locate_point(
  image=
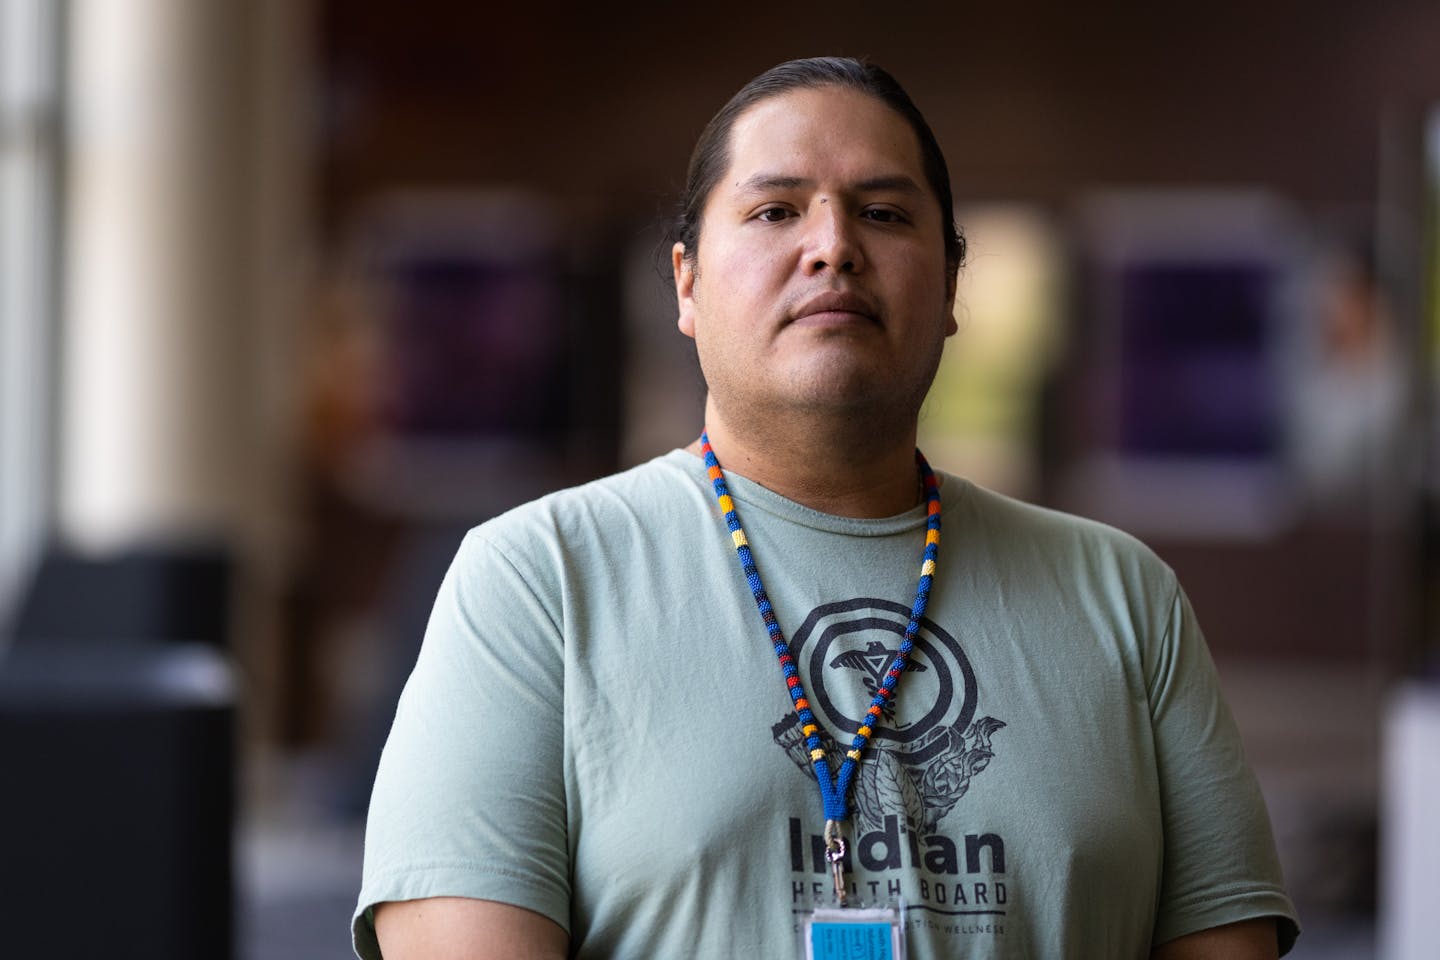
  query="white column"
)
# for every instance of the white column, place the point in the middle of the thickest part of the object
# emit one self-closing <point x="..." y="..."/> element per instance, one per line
<point x="153" y="350"/>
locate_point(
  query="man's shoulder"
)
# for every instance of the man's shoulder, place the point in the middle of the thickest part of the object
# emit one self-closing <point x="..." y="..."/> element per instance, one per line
<point x="1021" y="524"/>
<point x="641" y="494"/>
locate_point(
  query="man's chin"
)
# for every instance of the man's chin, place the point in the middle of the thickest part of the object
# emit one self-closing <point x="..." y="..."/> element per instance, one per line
<point x="842" y="389"/>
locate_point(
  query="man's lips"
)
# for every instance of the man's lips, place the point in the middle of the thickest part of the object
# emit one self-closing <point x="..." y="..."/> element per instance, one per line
<point x="834" y="307"/>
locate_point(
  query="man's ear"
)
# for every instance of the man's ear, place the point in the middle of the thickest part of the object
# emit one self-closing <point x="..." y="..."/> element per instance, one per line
<point x="684" y="289"/>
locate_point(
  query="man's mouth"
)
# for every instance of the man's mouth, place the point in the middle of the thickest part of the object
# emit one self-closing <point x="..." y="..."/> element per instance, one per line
<point x="833" y="308"/>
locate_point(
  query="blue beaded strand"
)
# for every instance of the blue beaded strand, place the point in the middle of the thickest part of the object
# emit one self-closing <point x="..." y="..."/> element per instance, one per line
<point x="834" y="789"/>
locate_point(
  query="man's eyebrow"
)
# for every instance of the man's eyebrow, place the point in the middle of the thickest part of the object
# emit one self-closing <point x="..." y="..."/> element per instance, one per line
<point x="897" y="182"/>
<point x="772" y="181"/>
<point x="762" y="182"/>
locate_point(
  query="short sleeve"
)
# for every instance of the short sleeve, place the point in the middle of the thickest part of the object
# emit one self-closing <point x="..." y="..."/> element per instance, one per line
<point x="469" y="797"/>
<point x="1220" y="864"/>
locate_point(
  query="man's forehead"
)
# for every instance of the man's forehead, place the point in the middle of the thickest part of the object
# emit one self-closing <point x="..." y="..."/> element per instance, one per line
<point x="779" y="141"/>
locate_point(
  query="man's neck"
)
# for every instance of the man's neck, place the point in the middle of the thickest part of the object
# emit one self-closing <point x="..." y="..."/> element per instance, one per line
<point x="845" y="469"/>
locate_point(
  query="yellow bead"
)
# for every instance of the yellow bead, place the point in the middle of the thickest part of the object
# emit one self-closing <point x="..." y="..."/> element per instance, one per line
<point x="864" y="731"/>
<point x="739" y="537"/>
<point x="927" y="569"/>
<point x="817" y="754"/>
<point x="808" y="729"/>
<point x="932" y="536"/>
<point x="726" y="504"/>
<point x="854" y="755"/>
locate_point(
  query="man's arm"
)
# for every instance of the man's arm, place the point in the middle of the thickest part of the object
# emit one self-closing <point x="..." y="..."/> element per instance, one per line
<point x="1219" y="862"/>
<point x="457" y="928"/>
<point x="469" y="796"/>
<point x="1246" y="940"/>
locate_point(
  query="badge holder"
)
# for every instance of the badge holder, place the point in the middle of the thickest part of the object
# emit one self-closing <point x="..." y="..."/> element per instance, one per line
<point x="848" y="929"/>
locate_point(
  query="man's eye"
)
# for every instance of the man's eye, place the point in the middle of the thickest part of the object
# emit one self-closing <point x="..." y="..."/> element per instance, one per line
<point x="772" y="214"/>
<point x="884" y="215"/>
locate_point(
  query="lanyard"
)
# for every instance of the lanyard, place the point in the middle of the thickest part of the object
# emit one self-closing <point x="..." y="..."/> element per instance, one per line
<point x="834" y="788"/>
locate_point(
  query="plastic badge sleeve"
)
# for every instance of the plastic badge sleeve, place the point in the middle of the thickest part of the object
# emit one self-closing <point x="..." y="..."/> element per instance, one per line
<point x="853" y="933"/>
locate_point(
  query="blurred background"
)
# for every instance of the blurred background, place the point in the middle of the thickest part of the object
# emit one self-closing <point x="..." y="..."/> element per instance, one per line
<point x="293" y="292"/>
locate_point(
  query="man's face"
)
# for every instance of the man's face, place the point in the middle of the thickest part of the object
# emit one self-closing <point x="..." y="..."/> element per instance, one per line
<point x="820" y="281"/>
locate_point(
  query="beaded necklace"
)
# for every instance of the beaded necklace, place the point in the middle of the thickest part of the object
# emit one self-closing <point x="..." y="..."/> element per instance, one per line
<point x="834" y="789"/>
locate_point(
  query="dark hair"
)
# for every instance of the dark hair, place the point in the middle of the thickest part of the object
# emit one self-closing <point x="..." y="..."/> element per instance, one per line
<point x="712" y="151"/>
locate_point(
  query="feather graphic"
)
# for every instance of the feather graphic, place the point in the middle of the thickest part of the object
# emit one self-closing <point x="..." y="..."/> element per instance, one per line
<point x="887" y="785"/>
<point x="787" y="734"/>
<point x="890" y="783"/>
<point x="947" y="778"/>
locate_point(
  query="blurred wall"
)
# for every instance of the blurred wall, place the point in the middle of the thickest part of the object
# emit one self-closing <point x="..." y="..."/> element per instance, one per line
<point x="1030" y="100"/>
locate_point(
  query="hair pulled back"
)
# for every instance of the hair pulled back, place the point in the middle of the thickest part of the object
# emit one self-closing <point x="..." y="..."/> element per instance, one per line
<point x="711" y="157"/>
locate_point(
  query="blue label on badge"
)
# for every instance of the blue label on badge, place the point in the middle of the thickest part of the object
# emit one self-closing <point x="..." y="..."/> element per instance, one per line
<point x="851" y="941"/>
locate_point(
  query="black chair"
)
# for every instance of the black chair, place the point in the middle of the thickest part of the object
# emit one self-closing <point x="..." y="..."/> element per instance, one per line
<point x="117" y="709"/>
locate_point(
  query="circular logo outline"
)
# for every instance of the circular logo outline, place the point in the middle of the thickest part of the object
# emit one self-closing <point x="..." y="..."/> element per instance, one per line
<point x="924" y="640"/>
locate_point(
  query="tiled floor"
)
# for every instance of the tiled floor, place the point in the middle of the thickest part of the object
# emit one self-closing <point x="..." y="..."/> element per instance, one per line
<point x="1312" y="735"/>
<point x="298" y="887"/>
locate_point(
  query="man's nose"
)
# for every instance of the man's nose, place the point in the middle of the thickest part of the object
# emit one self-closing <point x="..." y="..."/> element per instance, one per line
<point x="831" y="241"/>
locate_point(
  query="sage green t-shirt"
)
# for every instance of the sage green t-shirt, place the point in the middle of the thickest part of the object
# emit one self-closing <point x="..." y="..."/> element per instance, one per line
<point x="597" y="729"/>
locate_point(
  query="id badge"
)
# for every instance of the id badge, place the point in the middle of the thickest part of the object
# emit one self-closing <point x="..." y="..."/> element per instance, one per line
<point x="852" y="933"/>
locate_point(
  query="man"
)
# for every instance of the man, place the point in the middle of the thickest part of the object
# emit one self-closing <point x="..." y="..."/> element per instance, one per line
<point x="597" y="756"/>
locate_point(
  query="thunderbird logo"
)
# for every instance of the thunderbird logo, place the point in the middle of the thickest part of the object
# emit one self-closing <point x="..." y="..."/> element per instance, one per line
<point x="875" y="662"/>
